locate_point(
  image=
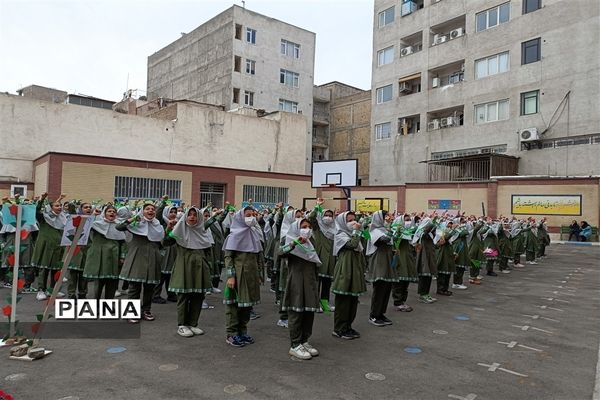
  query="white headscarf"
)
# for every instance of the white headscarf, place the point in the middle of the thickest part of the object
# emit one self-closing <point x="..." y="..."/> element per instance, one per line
<point x="306" y="250"/>
<point x="342" y="234"/>
<point x="377" y="230"/>
<point x="167" y="211"/>
<point x="425" y="226"/>
<point x="288" y="219"/>
<point x="152" y="229"/>
<point x="241" y="236"/>
<point x="107" y="228"/>
<point x="54" y="220"/>
<point x="328" y="229"/>
<point x="193" y="237"/>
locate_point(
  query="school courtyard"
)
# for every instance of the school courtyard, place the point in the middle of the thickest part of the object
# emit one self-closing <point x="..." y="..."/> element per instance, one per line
<point x="531" y="334"/>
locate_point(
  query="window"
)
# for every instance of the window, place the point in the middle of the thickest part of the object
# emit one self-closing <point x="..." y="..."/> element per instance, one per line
<point x="287" y="105"/>
<point x="289" y="78"/>
<point x="20" y="190"/>
<point x="290" y="49"/>
<point x="248" y="98"/>
<point x="492" y="65"/>
<point x="490" y="112"/>
<point x="238" y="31"/>
<point x="384" y="94"/>
<point x="492" y="17"/>
<point x="250" y="67"/>
<point x="385" y="56"/>
<point x="531" y="5"/>
<point x="146" y="188"/>
<point x="237" y="64"/>
<point x="265" y="194"/>
<point x="236" y="95"/>
<point x="383" y="131"/>
<point x="250" y="35"/>
<point x="386" y="17"/>
<point x="531" y="51"/>
<point x="212" y="193"/>
<point x="530" y="102"/>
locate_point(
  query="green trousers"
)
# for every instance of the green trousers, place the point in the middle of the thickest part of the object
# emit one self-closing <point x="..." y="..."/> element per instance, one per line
<point x="134" y="291"/>
<point x="300" y="326"/>
<point x="458" y="276"/>
<point x="380" y="298"/>
<point x="108" y="285"/>
<point x="345" y="312"/>
<point x="529" y="255"/>
<point x="443" y="282"/>
<point x="400" y="292"/>
<point x="43" y="279"/>
<point x="237" y="319"/>
<point x="189" y="306"/>
<point x="77" y="284"/>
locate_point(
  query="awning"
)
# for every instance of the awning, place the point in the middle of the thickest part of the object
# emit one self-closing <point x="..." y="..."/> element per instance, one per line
<point x="410" y="77"/>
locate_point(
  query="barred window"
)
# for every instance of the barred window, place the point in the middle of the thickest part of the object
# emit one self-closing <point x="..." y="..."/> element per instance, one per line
<point x="212" y="193"/>
<point x="266" y="194"/>
<point x="146" y="188"/>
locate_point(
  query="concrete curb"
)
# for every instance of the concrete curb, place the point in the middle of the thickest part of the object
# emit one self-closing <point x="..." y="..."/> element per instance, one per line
<point x="576" y="243"/>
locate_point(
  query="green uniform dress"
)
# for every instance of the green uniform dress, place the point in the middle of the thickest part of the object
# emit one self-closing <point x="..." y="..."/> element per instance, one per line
<point x="543" y="239"/>
<point x="349" y="276"/>
<point x="461" y="251"/>
<point x="505" y="251"/>
<point x="530" y="243"/>
<point x="445" y="263"/>
<point x="426" y="258"/>
<point x="47" y="253"/>
<point x="102" y="264"/>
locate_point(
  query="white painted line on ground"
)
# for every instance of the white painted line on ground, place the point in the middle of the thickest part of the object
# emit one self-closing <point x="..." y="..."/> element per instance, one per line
<point x="550" y="308"/>
<point x="596" y="395"/>
<point x="526" y="328"/>
<point x="538" y="317"/>
<point x="554" y="299"/>
<point x="470" y="396"/>
<point x="512" y="344"/>
<point x="495" y="366"/>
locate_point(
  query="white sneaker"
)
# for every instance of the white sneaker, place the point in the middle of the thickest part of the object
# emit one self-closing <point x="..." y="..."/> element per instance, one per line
<point x="60" y="295"/>
<point x="460" y="287"/>
<point x="196" y="331"/>
<point x="205" y="305"/>
<point x="65" y="279"/>
<point x="311" y="350"/>
<point x="505" y="271"/>
<point x="479" y="277"/>
<point x="216" y="290"/>
<point x="184" y="331"/>
<point x="332" y="308"/>
<point x="531" y="262"/>
<point x="300" y="352"/>
<point x="282" y="323"/>
<point x="118" y="293"/>
<point x="519" y="265"/>
<point x="41" y="296"/>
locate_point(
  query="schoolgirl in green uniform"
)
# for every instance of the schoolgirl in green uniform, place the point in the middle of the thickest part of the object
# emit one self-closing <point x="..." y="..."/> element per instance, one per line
<point x="404" y="260"/>
<point x="322" y="239"/>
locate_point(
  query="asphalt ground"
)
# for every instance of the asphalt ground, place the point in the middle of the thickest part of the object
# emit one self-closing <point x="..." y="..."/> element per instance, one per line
<point x="531" y="334"/>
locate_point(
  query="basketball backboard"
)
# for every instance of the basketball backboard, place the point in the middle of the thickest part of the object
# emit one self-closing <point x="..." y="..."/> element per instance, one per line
<point x="342" y="173"/>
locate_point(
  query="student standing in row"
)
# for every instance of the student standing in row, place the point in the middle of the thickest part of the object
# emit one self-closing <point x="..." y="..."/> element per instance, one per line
<point x="301" y="298"/>
<point x="322" y="238"/>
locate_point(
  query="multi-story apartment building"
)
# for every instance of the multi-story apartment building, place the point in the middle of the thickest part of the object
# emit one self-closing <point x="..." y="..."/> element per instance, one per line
<point x="465" y="90"/>
<point x="239" y="58"/>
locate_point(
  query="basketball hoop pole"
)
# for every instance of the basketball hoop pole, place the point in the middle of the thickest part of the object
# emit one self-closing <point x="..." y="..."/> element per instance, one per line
<point x="348" y="193"/>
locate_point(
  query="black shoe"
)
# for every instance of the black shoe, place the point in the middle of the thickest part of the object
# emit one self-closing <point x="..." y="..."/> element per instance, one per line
<point x="386" y="320"/>
<point x="376" y="321"/>
<point x="354" y="334"/>
<point x="159" y="300"/>
<point x="491" y="273"/>
<point x="342" y="335"/>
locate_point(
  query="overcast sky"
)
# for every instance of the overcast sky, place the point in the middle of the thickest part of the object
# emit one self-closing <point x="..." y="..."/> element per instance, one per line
<point x="99" y="47"/>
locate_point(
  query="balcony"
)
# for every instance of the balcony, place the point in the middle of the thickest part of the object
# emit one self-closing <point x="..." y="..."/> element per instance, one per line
<point x="409" y="7"/>
<point x="409" y="125"/>
<point x="411" y="44"/>
<point x="409" y="85"/>
<point x="471" y="168"/>
<point x="447" y="31"/>
<point x="446" y="118"/>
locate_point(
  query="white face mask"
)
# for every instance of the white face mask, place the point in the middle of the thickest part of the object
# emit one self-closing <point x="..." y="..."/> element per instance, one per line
<point x="250" y="221"/>
<point x="350" y="225"/>
<point x="407" y="224"/>
<point x="306" y="233"/>
<point x="179" y="215"/>
<point x="328" y="220"/>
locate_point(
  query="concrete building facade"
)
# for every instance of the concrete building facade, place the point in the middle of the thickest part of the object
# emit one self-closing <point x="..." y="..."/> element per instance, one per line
<point x="239" y="58"/>
<point x="455" y="81"/>
<point x="184" y="132"/>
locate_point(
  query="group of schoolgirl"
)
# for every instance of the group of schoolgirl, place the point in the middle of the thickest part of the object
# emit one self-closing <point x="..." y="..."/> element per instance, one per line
<point x="308" y="254"/>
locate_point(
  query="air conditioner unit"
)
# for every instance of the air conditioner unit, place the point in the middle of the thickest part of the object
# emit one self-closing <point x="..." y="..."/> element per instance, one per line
<point x="449" y="121"/>
<point x="529" y="135"/>
<point x="437" y="39"/>
<point x="435" y="82"/>
<point x="406" y="51"/>
<point x="443" y="123"/>
<point x="433" y="125"/>
<point x="457" y="33"/>
<point x="405" y="87"/>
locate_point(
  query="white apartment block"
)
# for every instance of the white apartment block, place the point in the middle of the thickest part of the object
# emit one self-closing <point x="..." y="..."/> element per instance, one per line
<point x="465" y="90"/>
<point x="239" y="59"/>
